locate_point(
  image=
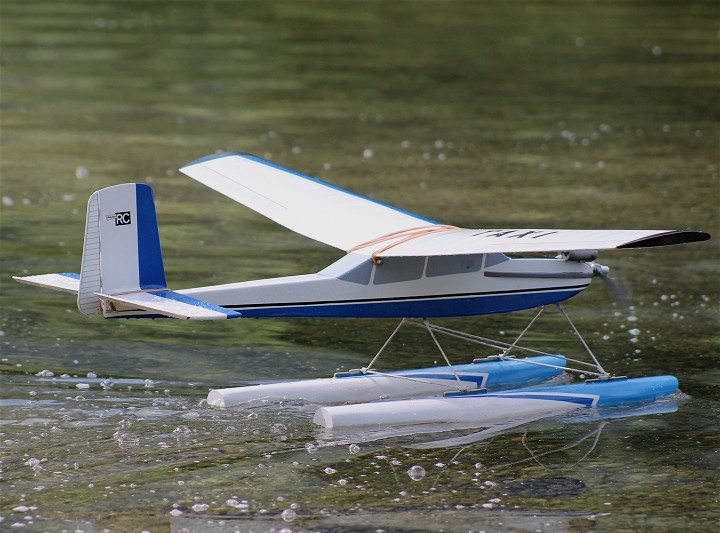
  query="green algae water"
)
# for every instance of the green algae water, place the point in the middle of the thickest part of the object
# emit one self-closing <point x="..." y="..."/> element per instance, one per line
<point x="479" y="114"/>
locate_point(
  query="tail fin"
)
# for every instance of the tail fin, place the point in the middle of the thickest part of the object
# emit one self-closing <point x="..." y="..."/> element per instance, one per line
<point x="122" y="251"/>
<point x="122" y="272"/>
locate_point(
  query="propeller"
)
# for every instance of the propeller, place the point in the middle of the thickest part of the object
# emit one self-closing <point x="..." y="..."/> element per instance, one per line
<point x="620" y="291"/>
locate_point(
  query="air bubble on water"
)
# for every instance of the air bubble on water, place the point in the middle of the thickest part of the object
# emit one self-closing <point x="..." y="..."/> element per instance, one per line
<point x="176" y="512"/>
<point x="342" y="481"/>
<point x="106" y="384"/>
<point x="368" y="153"/>
<point x="634" y="331"/>
<point x="330" y="470"/>
<point x="81" y="172"/>
<point x="200" y="507"/>
<point x="91" y="375"/>
<point x="416" y="472"/>
<point x="149" y="383"/>
<point x="311" y="448"/>
<point x="234" y="503"/>
<point x="45" y="374"/>
<point x="353" y="448"/>
<point x="288" y="515"/>
<point x="83" y="386"/>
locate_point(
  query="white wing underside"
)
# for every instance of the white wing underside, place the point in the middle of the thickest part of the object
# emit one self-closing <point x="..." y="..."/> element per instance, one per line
<point x="351" y="222"/>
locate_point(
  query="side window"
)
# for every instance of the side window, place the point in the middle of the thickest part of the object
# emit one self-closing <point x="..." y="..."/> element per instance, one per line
<point x="397" y="269"/>
<point x="444" y="265"/>
<point x="359" y="274"/>
<point x="495" y="259"/>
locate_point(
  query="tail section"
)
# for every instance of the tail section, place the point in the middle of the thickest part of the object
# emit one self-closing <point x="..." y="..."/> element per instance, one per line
<point x="122" y="272"/>
<point x="122" y="251"/>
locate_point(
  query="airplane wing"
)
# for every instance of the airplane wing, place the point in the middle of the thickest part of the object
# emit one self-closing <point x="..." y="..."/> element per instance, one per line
<point x="352" y="222"/>
<point x="301" y="203"/>
<point x="468" y="241"/>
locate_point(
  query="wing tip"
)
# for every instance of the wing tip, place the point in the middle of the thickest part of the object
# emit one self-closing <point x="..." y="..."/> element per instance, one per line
<point x="668" y="238"/>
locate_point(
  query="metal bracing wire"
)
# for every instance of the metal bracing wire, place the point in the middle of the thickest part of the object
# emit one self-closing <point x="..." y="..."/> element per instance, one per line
<point x="594" y="369"/>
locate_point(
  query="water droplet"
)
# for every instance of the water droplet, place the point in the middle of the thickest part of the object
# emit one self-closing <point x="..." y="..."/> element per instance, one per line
<point x="416" y="472"/>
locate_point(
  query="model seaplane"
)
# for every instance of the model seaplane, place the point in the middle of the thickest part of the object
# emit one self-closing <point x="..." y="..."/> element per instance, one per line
<point x="397" y="265"/>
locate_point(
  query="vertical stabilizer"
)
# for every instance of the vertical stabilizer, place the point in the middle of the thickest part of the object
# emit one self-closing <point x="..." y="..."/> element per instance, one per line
<point x="122" y="251"/>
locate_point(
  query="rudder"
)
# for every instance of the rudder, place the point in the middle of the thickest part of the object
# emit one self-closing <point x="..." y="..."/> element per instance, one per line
<point x="121" y="252"/>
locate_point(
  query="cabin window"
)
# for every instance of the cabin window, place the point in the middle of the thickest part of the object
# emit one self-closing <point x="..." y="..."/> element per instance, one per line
<point x="495" y="259"/>
<point x="359" y="274"/>
<point x="397" y="269"/>
<point x="445" y="265"/>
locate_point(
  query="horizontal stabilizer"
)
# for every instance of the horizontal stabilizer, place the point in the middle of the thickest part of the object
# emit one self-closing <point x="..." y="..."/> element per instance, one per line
<point x="63" y="282"/>
<point x="169" y="303"/>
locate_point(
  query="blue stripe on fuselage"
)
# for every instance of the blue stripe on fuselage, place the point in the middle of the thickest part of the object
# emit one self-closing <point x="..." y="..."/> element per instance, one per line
<point x="411" y="308"/>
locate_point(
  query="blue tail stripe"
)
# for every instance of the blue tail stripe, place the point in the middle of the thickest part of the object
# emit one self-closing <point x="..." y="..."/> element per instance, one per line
<point x="151" y="271"/>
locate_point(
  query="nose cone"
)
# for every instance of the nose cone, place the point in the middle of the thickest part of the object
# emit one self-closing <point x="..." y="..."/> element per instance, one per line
<point x="600" y="270"/>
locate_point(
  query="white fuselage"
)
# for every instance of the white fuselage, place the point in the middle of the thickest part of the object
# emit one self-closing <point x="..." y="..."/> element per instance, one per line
<point x="434" y="286"/>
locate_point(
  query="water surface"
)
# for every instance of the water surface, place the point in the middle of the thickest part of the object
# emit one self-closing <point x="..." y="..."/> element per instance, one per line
<point x="493" y="114"/>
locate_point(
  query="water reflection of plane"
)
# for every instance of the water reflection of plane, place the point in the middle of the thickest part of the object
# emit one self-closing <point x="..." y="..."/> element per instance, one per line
<point x="425" y="436"/>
